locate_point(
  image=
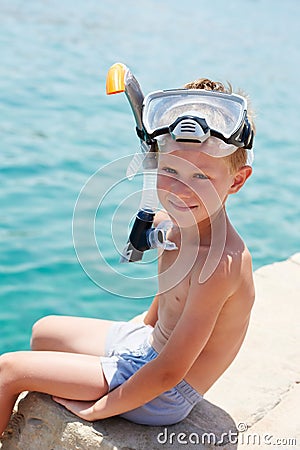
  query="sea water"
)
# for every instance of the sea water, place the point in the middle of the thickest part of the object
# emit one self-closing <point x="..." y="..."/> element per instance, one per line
<point x="60" y="136"/>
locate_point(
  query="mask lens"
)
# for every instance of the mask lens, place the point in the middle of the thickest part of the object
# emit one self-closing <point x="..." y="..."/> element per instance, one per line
<point x="222" y="112"/>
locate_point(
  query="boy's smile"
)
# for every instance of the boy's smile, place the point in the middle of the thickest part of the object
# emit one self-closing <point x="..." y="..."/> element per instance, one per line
<point x="192" y="186"/>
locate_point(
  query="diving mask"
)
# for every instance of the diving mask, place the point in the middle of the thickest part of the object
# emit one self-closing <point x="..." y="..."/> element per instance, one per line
<point x="198" y="115"/>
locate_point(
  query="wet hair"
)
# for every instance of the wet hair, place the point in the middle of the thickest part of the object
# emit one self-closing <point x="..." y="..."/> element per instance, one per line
<point x="237" y="159"/>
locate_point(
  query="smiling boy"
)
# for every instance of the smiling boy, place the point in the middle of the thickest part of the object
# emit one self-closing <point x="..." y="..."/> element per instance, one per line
<point x="154" y="372"/>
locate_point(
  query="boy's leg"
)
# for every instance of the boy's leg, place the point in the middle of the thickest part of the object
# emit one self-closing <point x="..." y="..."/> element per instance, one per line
<point x="67" y="375"/>
<point x="70" y="334"/>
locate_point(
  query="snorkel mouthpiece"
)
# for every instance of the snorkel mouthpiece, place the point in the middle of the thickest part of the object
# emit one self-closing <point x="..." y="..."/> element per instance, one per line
<point x="144" y="237"/>
<point x="138" y="241"/>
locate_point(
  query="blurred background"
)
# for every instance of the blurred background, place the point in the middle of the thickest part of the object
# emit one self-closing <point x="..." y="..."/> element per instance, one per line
<point x="58" y="129"/>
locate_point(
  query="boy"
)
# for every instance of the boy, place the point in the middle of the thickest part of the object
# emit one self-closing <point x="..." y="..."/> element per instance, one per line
<point x="155" y="371"/>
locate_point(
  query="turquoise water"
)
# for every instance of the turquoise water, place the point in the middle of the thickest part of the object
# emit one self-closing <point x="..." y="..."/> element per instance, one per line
<point x="58" y="128"/>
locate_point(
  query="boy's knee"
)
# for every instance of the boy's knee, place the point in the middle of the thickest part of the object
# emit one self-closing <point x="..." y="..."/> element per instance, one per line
<point x="12" y="372"/>
<point x="40" y="332"/>
<point x="7" y="366"/>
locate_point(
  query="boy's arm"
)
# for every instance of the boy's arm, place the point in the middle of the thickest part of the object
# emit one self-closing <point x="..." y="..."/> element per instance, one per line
<point x="152" y="313"/>
<point x="186" y="342"/>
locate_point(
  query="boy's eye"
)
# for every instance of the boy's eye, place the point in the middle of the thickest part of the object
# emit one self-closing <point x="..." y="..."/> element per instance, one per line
<point x="169" y="170"/>
<point x="201" y="176"/>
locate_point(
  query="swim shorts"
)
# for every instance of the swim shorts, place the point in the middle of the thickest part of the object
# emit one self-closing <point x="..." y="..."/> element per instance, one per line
<point x="127" y="350"/>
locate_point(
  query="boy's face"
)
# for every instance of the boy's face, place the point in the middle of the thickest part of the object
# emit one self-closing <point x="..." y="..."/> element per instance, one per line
<point x="192" y="185"/>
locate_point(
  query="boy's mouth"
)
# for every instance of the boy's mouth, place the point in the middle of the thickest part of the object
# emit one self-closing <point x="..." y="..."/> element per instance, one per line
<point x="182" y="206"/>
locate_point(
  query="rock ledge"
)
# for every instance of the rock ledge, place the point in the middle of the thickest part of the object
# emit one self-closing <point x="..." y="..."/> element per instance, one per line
<point x="41" y="424"/>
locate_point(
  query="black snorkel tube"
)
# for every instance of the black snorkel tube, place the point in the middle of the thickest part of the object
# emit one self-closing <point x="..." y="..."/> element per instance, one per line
<point x="143" y="236"/>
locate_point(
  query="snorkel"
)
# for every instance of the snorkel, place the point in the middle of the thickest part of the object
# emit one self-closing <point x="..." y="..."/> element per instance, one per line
<point x="143" y="236"/>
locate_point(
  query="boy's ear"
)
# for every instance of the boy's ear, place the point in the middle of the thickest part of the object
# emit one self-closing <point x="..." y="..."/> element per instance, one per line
<point x="240" y="178"/>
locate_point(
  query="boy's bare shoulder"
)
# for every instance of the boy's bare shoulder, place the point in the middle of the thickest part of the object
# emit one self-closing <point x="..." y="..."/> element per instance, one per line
<point x="232" y="272"/>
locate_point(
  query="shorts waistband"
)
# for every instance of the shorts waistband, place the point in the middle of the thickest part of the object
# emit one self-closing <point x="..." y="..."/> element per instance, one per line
<point x="188" y="392"/>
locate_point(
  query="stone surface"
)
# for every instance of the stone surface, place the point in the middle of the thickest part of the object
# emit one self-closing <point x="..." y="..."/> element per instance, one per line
<point x="259" y="392"/>
<point x="41" y="424"/>
<point x="265" y="374"/>
<point x="280" y="428"/>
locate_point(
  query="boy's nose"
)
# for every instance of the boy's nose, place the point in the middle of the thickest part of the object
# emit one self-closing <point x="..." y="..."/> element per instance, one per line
<point x="181" y="190"/>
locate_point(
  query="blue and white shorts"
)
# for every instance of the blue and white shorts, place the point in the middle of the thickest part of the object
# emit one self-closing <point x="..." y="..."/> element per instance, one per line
<point x="127" y="350"/>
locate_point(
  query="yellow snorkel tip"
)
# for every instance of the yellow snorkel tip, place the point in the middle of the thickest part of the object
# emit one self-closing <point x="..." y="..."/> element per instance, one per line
<point x="115" y="80"/>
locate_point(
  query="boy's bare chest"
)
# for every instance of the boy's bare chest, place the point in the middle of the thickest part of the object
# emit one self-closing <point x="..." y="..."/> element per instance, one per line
<point x="174" y="276"/>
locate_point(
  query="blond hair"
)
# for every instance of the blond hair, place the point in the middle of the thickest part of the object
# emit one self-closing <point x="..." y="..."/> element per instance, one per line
<point x="237" y="159"/>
